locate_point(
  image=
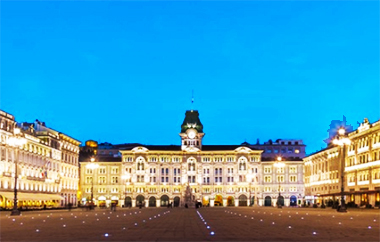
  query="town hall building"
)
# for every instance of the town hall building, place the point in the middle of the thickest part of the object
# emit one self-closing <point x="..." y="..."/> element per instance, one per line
<point x="218" y="175"/>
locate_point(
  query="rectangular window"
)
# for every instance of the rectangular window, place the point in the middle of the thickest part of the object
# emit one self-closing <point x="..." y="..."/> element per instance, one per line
<point x="115" y="179"/>
<point x="102" y="179"/>
<point x="102" y="170"/>
<point x="88" y="179"/>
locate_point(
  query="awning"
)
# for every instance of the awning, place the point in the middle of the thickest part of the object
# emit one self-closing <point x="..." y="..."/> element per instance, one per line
<point x="21" y="196"/>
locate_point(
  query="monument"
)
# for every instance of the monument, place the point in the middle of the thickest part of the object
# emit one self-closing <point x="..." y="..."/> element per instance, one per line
<point x="188" y="198"/>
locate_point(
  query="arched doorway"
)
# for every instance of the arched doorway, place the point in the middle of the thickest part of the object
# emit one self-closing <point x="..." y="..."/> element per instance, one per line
<point x="230" y="201"/>
<point x="281" y="200"/>
<point x="176" y="201"/>
<point x="243" y="201"/>
<point x="218" y="200"/>
<point x="114" y="201"/>
<point x="268" y="201"/>
<point x="140" y="199"/>
<point x="101" y="201"/>
<point x="128" y="202"/>
<point x="252" y="201"/>
<point x="293" y="201"/>
<point x="152" y="202"/>
<point x="205" y="201"/>
<point x="164" y="201"/>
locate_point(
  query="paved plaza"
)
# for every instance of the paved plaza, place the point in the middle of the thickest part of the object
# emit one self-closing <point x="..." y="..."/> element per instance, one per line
<point x="204" y="224"/>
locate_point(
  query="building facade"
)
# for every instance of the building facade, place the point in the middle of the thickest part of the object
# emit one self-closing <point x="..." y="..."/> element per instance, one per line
<point x="218" y="175"/>
<point x="361" y="165"/>
<point x="44" y="176"/>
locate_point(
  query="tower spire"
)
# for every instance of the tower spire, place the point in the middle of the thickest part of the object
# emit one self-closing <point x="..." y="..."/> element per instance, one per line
<point x="192" y="100"/>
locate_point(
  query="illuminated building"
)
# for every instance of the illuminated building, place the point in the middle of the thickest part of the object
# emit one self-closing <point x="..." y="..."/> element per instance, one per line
<point x="47" y="166"/>
<point x="218" y="175"/>
<point x="361" y="170"/>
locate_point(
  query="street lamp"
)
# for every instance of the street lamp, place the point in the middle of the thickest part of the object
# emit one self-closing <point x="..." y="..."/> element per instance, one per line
<point x="16" y="142"/>
<point x="342" y="140"/>
<point x="92" y="166"/>
<point x="278" y="165"/>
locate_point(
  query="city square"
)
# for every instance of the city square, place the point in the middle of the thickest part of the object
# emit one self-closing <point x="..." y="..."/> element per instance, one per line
<point x="204" y="224"/>
<point x="190" y="121"/>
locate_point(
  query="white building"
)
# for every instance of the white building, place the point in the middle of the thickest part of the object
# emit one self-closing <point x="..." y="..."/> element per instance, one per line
<point x="218" y="175"/>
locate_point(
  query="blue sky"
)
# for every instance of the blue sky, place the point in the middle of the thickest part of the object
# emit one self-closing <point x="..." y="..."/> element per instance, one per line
<point x="124" y="71"/>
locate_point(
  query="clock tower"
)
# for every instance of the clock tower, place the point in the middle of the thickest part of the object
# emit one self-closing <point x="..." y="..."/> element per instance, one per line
<point x="191" y="131"/>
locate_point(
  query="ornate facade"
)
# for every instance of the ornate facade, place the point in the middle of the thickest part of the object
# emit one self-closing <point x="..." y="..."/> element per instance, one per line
<point x="47" y="165"/>
<point x="218" y="175"/>
<point x="361" y="170"/>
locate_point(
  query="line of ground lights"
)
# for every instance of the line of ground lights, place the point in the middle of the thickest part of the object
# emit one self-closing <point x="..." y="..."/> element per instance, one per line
<point x="205" y="223"/>
<point x="64" y="225"/>
<point x="280" y="214"/>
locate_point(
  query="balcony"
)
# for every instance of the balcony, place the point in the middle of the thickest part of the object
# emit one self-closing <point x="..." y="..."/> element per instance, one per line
<point x="376" y="145"/>
<point x="7" y="174"/>
<point x="35" y="178"/>
<point x="363" y="183"/>
<point x="363" y="149"/>
<point x="351" y="153"/>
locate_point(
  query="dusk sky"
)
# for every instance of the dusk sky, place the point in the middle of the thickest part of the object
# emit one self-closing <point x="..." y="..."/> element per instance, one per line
<point x="124" y="71"/>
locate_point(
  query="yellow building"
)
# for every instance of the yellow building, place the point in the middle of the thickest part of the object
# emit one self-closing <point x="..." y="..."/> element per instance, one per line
<point x="218" y="175"/>
<point x="361" y="165"/>
<point x="44" y="177"/>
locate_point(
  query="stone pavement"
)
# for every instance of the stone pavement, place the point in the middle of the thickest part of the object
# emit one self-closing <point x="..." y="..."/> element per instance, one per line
<point x="179" y="224"/>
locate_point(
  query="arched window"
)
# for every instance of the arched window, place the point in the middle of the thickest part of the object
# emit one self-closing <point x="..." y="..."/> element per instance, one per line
<point x="191" y="164"/>
<point x="242" y="163"/>
<point x="140" y="164"/>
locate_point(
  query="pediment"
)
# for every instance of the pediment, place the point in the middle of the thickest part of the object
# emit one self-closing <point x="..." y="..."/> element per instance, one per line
<point x="140" y="149"/>
<point x="243" y="150"/>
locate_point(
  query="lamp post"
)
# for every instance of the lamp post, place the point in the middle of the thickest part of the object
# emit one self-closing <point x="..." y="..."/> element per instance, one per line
<point x="278" y="165"/>
<point x="342" y="140"/>
<point x="16" y="142"/>
<point x="92" y="166"/>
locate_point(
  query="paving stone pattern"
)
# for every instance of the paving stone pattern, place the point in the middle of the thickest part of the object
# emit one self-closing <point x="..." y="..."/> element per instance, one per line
<point x="180" y="224"/>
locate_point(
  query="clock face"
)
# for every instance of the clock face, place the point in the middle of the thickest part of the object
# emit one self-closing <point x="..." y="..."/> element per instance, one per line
<point x="191" y="134"/>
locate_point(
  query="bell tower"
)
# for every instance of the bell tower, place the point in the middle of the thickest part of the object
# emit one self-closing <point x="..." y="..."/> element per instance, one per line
<point x="191" y="131"/>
